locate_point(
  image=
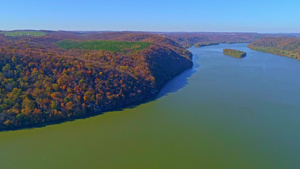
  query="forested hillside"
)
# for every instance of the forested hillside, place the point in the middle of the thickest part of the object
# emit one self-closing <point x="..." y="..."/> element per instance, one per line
<point x="188" y="39"/>
<point x="289" y="47"/>
<point x="65" y="75"/>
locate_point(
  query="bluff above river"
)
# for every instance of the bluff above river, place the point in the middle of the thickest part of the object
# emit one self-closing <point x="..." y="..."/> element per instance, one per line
<point x="58" y="76"/>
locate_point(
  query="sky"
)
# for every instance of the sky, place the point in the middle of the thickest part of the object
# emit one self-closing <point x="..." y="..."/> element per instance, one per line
<point x="263" y="16"/>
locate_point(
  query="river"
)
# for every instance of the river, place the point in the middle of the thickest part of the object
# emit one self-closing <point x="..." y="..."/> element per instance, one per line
<point x="223" y="113"/>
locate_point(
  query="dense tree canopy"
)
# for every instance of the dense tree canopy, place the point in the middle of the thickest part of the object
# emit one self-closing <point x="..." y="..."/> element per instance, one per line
<point x="280" y="46"/>
<point x="205" y="44"/>
<point x="41" y="82"/>
<point x="234" y="53"/>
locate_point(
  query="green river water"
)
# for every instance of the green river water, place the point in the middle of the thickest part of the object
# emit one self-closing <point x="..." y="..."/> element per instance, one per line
<point x="223" y="113"/>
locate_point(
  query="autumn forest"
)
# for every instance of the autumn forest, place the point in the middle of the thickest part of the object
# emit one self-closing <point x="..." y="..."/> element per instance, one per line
<point x="61" y="75"/>
<point x="53" y="76"/>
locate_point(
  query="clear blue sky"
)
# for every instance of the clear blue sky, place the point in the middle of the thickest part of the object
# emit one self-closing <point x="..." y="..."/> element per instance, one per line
<point x="152" y="15"/>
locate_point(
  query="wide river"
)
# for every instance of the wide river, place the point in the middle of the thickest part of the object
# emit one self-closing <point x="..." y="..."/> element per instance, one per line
<point x="223" y="113"/>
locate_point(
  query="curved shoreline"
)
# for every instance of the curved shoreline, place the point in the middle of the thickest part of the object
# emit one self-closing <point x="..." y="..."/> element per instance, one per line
<point x="150" y="97"/>
<point x="288" y="47"/>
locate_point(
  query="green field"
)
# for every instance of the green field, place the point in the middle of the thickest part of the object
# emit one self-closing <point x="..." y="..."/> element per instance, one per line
<point x="23" y="33"/>
<point x="114" y="46"/>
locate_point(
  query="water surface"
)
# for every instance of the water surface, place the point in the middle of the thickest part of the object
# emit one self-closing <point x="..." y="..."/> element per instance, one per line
<point x="223" y="113"/>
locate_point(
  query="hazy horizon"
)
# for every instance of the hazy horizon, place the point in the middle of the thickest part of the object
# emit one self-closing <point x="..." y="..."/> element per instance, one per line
<point x="150" y="31"/>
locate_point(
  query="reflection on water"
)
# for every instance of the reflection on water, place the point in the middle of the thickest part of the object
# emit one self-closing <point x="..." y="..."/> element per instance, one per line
<point x="179" y="81"/>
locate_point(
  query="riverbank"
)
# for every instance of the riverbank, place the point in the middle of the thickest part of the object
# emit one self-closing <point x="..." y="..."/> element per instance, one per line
<point x="289" y="47"/>
<point x="53" y="84"/>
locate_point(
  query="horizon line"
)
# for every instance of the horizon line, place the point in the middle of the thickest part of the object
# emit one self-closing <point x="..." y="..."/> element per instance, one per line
<point x="11" y="30"/>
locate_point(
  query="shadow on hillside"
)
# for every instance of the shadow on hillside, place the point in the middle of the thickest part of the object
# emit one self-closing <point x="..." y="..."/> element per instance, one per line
<point x="171" y="86"/>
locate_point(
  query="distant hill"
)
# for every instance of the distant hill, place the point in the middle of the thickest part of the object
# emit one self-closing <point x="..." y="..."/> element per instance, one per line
<point x="188" y="39"/>
<point x="23" y="33"/>
<point x="289" y="47"/>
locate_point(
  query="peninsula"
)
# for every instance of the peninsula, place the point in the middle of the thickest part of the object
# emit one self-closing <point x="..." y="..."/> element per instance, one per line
<point x="48" y="77"/>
